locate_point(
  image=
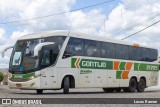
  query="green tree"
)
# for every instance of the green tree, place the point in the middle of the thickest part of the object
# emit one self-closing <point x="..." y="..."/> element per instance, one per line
<point x="1" y="76"/>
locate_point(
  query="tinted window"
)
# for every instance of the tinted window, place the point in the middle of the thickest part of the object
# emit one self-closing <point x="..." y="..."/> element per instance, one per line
<point x="135" y="53"/>
<point x="108" y="50"/>
<point x="145" y="54"/>
<point x="46" y="60"/>
<point x="58" y="40"/>
<point x="121" y="51"/>
<point x="75" y="47"/>
<point x="92" y="48"/>
<point x="153" y="54"/>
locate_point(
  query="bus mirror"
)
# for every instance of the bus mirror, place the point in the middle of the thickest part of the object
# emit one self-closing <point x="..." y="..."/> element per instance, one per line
<point x="4" y="50"/>
<point x="39" y="47"/>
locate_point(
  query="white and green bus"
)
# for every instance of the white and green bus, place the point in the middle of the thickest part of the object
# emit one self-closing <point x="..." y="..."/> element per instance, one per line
<point x="64" y="59"/>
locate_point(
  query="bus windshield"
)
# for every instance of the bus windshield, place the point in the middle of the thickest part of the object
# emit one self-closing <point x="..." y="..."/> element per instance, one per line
<point x="22" y="59"/>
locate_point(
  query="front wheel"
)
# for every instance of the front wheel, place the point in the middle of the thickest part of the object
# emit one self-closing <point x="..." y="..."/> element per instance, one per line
<point x="141" y="85"/>
<point x="66" y="85"/>
<point x="39" y="91"/>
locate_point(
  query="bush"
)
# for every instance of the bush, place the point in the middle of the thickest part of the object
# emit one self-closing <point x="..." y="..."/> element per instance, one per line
<point x="1" y="76"/>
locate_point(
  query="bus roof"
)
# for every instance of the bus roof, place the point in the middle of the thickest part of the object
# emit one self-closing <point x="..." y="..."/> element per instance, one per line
<point x="77" y="35"/>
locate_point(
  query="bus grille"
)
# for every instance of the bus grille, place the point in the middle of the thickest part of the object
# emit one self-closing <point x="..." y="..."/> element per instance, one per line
<point x="19" y="79"/>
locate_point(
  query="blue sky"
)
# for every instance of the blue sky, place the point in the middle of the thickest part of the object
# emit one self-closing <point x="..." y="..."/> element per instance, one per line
<point x="104" y="7"/>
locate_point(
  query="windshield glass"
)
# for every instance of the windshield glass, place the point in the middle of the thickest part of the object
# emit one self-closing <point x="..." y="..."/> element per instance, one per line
<point x="17" y="58"/>
<point x="22" y="59"/>
<point x="23" y="55"/>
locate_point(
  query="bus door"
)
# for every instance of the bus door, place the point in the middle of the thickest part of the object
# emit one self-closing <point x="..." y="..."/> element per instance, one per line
<point x="48" y="72"/>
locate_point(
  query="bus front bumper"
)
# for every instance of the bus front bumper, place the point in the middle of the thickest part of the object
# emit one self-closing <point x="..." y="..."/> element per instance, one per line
<point x="31" y="84"/>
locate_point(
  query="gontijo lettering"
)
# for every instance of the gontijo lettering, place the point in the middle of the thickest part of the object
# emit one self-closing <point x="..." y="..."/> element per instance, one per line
<point x="93" y="64"/>
<point x="90" y="63"/>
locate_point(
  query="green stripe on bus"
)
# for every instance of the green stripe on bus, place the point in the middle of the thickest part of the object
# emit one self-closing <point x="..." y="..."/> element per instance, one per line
<point x="146" y="67"/>
<point x="96" y="64"/>
<point x="122" y="65"/>
<point x="23" y="75"/>
<point x="105" y="64"/>
<point x="136" y="66"/>
<point x="118" y="74"/>
<point x="73" y="61"/>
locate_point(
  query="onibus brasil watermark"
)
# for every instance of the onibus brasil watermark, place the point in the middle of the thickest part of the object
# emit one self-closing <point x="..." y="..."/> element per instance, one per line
<point x="21" y="101"/>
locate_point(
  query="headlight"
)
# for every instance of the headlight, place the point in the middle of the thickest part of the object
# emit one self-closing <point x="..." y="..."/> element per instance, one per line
<point x="9" y="76"/>
<point x="32" y="77"/>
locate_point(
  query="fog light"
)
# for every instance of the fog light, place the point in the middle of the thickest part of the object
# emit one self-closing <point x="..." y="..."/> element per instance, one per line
<point x="32" y="77"/>
<point x="9" y="76"/>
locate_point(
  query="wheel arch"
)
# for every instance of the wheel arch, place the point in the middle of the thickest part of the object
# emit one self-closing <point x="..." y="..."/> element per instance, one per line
<point x="71" y="80"/>
<point x="134" y="78"/>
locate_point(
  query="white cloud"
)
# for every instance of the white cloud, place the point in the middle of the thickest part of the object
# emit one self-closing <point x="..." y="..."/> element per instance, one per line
<point x="9" y="41"/>
<point x="117" y="25"/>
<point x="2" y="32"/>
<point x="135" y="16"/>
<point x="91" y="21"/>
<point x="37" y="8"/>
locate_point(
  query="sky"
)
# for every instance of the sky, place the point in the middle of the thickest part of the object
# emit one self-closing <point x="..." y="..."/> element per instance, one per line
<point x="116" y="19"/>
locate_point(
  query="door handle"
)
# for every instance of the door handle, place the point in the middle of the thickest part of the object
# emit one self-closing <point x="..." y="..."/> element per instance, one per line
<point x="109" y="77"/>
<point x="98" y="77"/>
<point x="51" y="76"/>
<point x="43" y="76"/>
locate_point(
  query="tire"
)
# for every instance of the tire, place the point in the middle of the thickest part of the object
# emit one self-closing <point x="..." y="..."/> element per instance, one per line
<point x="108" y="90"/>
<point x="132" y="85"/>
<point x="66" y="85"/>
<point x="141" y="85"/>
<point x="39" y="91"/>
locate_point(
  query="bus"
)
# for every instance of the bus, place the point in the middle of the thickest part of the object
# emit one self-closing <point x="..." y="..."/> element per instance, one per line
<point x="64" y="59"/>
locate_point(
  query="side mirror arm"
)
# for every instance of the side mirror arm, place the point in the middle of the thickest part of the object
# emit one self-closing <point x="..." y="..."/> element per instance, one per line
<point x="4" y="50"/>
<point x="39" y="47"/>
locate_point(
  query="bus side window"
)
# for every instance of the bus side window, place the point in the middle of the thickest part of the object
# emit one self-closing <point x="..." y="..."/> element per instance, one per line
<point x="92" y="48"/>
<point x="122" y="51"/>
<point x="135" y="53"/>
<point x="46" y="58"/>
<point x="75" y="47"/>
<point x="107" y="50"/>
<point x="145" y="54"/>
<point x="153" y="54"/>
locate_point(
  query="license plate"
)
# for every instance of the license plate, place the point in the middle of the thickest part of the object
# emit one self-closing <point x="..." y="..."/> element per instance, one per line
<point x="19" y="85"/>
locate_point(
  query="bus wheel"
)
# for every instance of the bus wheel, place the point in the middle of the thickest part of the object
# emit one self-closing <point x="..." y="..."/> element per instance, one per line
<point x="141" y="85"/>
<point x="39" y="91"/>
<point x="132" y="85"/>
<point x="66" y="85"/>
<point x="108" y="90"/>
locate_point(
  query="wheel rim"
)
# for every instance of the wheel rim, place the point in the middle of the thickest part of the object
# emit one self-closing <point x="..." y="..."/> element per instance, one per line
<point x="142" y="85"/>
<point x="133" y="84"/>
